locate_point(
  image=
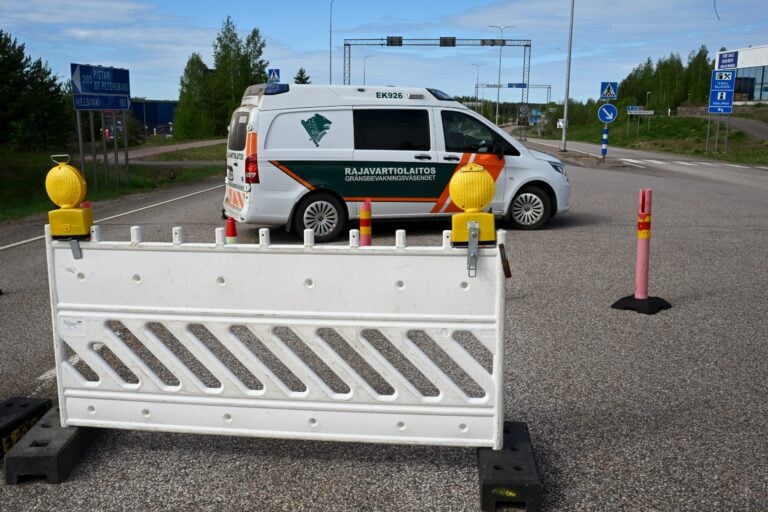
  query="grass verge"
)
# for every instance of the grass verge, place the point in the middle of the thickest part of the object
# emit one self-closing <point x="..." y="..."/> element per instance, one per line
<point x="23" y="178"/>
<point x="681" y="135"/>
<point x="205" y="153"/>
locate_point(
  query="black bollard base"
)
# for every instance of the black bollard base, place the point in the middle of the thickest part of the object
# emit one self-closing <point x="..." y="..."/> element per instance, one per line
<point x="649" y="306"/>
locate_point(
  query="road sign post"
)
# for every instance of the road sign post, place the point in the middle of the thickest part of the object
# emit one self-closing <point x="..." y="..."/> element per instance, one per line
<point x="100" y="88"/>
<point x="721" y="98"/>
<point x="607" y="114"/>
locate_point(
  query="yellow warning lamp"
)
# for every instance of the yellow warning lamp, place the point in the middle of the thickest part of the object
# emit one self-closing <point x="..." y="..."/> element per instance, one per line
<point x="472" y="189"/>
<point x="66" y="187"/>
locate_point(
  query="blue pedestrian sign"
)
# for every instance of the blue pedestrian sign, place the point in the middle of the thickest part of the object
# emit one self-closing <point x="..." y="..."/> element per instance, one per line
<point x="607" y="113"/>
<point x="273" y="75"/>
<point x="721" y="91"/>
<point x="609" y="90"/>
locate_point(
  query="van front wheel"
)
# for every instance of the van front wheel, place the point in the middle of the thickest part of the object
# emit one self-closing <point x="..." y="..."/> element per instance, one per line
<point x="323" y="214"/>
<point x="530" y="209"/>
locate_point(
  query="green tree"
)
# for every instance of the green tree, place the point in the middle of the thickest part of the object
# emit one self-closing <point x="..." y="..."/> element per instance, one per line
<point x="302" y="77"/>
<point x="193" y="114"/>
<point x="698" y="76"/>
<point x="33" y="109"/>
<point x="255" y="66"/>
<point x="237" y="65"/>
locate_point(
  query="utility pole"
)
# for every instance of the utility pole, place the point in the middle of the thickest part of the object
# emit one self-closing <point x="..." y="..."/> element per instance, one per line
<point x="498" y="82"/>
<point x="567" y="81"/>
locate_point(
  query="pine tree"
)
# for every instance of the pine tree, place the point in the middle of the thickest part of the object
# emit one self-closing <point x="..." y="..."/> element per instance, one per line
<point x="33" y="107"/>
<point x="302" y="77"/>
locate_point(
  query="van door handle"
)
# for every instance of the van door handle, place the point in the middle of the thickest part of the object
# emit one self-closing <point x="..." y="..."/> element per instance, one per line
<point x="451" y="158"/>
<point x="423" y="157"/>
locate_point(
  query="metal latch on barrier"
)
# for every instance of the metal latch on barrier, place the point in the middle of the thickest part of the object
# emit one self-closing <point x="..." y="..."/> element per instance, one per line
<point x="472" y="248"/>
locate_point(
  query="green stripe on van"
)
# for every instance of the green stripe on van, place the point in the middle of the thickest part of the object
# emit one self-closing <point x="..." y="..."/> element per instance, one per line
<point x="376" y="179"/>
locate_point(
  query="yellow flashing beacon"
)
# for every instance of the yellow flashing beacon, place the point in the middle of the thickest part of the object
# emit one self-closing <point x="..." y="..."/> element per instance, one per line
<point x="67" y="188"/>
<point x="472" y="189"/>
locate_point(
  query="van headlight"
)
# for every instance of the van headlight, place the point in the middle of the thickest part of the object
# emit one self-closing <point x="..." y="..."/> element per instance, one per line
<point x="559" y="167"/>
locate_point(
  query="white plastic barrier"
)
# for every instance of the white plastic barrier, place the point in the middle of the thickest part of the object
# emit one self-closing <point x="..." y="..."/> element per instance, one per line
<point x="343" y="343"/>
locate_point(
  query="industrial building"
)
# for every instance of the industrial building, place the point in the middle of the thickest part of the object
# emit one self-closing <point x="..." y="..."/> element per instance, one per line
<point x="751" y="65"/>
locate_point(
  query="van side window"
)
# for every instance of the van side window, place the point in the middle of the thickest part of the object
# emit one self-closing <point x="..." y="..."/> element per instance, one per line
<point x="237" y="131"/>
<point x="465" y="134"/>
<point x="406" y="130"/>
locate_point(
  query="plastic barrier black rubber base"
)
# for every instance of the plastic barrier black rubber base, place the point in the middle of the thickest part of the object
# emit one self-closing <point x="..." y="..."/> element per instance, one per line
<point x="509" y="475"/>
<point x="649" y="306"/>
<point x="48" y="450"/>
<point x="17" y="416"/>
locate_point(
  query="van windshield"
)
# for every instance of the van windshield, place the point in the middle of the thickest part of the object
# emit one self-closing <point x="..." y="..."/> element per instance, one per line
<point x="237" y="131"/>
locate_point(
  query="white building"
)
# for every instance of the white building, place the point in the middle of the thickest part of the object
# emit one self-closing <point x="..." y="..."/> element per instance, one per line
<point x="751" y="65"/>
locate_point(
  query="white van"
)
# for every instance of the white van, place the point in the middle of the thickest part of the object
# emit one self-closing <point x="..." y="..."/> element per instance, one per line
<point x="307" y="156"/>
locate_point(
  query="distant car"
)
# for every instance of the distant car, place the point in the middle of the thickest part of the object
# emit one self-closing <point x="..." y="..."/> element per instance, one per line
<point x="307" y="156"/>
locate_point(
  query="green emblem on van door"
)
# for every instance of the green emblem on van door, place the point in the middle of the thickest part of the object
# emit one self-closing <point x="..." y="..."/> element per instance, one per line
<point x="317" y="126"/>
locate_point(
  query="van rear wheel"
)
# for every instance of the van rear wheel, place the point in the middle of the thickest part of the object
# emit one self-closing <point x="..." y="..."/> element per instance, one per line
<point x="323" y="214"/>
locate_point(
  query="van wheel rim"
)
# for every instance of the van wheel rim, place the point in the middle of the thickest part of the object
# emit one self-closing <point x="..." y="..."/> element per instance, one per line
<point x="527" y="209"/>
<point x="321" y="217"/>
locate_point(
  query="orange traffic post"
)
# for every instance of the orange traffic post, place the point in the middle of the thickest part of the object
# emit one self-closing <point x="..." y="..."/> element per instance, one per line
<point x="640" y="301"/>
<point x="231" y="231"/>
<point x="365" y="223"/>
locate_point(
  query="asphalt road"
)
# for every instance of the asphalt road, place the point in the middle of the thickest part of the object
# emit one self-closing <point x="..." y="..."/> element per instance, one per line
<point x="626" y="411"/>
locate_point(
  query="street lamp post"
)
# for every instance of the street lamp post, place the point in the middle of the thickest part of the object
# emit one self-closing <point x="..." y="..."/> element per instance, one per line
<point x="647" y="99"/>
<point x="330" y="44"/>
<point x="567" y="81"/>
<point x="364" y="61"/>
<point x="477" y="80"/>
<point x="498" y="82"/>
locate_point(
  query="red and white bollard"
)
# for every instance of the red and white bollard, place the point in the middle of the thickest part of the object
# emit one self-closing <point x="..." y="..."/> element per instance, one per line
<point x="640" y="301"/>
<point x="231" y="231"/>
<point x="365" y="223"/>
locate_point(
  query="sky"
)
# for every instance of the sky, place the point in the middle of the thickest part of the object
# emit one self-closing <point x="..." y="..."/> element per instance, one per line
<point x="153" y="39"/>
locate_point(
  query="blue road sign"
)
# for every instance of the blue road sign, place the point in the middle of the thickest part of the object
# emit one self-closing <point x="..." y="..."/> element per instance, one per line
<point x="273" y="75"/>
<point x="721" y="91"/>
<point x="728" y="60"/>
<point x="100" y="102"/>
<point x="100" y="88"/>
<point x="720" y="102"/>
<point x="609" y="90"/>
<point x="517" y="86"/>
<point x="607" y="113"/>
<point x="723" y="80"/>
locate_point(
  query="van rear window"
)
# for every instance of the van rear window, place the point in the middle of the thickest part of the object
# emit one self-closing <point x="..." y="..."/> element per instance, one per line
<point x="406" y="130"/>
<point x="237" y="131"/>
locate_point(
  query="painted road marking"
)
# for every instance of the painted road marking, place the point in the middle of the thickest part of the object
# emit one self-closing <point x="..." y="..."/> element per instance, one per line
<point x="96" y="221"/>
<point x="631" y="162"/>
<point x="686" y="163"/>
<point x="738" y="166"/>
<point x="657" y="162"/>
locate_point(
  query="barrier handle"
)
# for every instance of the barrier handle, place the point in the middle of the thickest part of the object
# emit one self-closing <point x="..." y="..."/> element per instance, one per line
<point x="643" y="242"/>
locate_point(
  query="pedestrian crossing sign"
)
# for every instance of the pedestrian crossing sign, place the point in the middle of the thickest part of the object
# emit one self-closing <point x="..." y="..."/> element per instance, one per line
<point x="609" y="90"/>
<point x="273" y="75"/>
